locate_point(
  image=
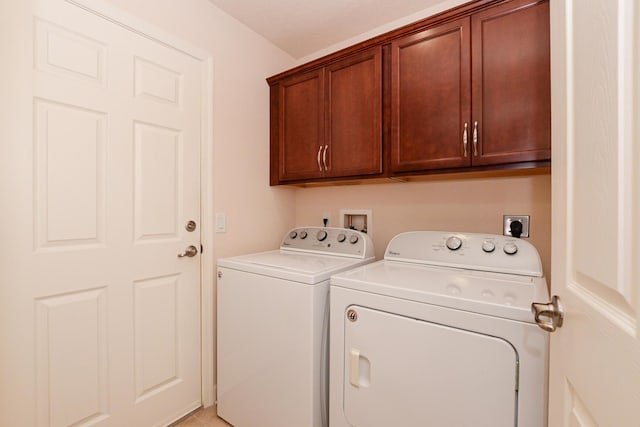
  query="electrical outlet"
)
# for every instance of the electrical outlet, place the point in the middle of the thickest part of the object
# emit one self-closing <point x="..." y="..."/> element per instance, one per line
<point x="508" y="219"/>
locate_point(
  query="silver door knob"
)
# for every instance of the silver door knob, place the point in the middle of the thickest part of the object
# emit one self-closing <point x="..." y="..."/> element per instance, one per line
<point x="191" y="251"/>
<point x="548" y="316"/>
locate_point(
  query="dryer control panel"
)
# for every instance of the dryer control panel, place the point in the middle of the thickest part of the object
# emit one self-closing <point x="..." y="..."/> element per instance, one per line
<point x="472" y="251"/>
<point x="329" y="241"/>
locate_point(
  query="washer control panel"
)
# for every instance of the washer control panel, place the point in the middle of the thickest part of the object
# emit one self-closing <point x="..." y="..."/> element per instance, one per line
<point x="474" y="251"/>
<point x="328" y="240"/>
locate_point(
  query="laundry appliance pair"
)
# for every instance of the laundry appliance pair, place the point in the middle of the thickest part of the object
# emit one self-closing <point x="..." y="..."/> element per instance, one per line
<point x="438" y="333"/>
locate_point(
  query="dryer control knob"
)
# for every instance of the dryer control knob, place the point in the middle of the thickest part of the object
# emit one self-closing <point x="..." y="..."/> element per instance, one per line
<point x="341" y="237"/>
<point x="293" y="235"/>
<point x="488" y="246"/>
<point x="510" y="248"/>
<point x="353" y="239"/>
<point x="303" y="234"/>
<point x="321" y="235"/>
<point x="454" y="243"/>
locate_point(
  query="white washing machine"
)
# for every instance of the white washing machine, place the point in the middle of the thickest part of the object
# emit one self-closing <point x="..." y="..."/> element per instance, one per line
<point x="440" y="333"/>
<point x="273" y="327"/>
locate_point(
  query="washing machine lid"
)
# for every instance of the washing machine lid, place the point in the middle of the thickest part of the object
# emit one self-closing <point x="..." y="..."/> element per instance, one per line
<point x="296" y="266"/>
<point x="495" y="294"/>
<point x="308" y="255"/>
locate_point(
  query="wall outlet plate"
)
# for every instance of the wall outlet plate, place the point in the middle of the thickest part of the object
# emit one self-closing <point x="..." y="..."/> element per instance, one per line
<point x="508" y="219"/>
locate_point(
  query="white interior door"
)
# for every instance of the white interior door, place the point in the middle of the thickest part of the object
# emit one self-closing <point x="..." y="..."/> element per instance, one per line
<point x="101" y="318"/>
<point x="595" y="356"/>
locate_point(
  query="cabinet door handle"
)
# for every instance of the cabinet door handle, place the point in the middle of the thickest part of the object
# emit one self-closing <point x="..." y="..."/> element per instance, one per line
<point x="319" y="164"/>
<point x="464" y="139"/>
<point x="324" y="157"/>
<point x="475" y="139"/>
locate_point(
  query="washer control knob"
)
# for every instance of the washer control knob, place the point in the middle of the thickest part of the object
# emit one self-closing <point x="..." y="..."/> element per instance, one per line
<point x="303" y="234"/>
<point x="510" y="248"/>
<point x="293" y="234"/>
<point x="488" y="246"/>
<point x="321" y="235"/>
<point x="353" y="239"/>
<point x="454" y="243"/>
<point x="341" y="237"/>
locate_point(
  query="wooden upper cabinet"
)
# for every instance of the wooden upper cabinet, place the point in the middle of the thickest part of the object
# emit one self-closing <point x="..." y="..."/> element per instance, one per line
<point x="473" y="92"/>
<point x="511" y="82"/>
<point x="468" y="88"/>
<point x="431" y="98"/>
<point x="327" y="123"/>
<point x="297" y="130"/>
<point x="354" y="115"/>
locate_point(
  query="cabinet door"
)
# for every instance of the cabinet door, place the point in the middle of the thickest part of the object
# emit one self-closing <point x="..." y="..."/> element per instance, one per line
<point x="511" y="83"/>
<point x="430" y="105"/>
<point x="300" y="126"/>
<point x="354" y="115"/>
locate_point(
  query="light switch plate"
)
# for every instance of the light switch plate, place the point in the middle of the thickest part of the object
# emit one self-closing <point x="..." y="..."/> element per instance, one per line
<point x="221" y="223"/>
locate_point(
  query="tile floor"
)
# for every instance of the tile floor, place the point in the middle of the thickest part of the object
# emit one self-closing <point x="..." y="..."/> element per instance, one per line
<point x="203" y="418"/>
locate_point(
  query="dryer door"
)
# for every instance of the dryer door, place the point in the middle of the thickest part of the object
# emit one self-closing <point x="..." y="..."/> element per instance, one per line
<point x="408" y="372"/>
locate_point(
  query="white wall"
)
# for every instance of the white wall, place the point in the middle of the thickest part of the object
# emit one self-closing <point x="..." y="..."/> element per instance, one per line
<point x="257" y="215"/>
<point x="390" y="26"/>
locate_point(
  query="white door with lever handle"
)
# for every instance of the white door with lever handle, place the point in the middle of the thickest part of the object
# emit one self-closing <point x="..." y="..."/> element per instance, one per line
<point x="100" y="300"/>
<point x="595" y="272"/>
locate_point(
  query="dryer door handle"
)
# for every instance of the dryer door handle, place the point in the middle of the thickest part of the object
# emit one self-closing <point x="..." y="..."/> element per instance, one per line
<point x="354" y="362"/>
<point x="359" y="369"/>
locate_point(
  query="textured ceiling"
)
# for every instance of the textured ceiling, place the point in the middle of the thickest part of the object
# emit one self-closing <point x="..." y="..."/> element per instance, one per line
<point x="302" y="27"/>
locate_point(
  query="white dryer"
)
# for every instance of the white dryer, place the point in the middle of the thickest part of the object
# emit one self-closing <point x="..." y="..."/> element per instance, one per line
<point x="273" y="327"/>
<point x="440" y="333"/>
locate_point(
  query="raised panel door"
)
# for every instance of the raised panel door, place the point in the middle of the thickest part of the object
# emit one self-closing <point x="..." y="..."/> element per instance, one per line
<point x="430" y="105"/>
<point x="595" y="355"/>
<point x="104" y="157"/>
<point x="354" y="115"/>
<point x="511" y="83"/>
<point x="300" y="126"/>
